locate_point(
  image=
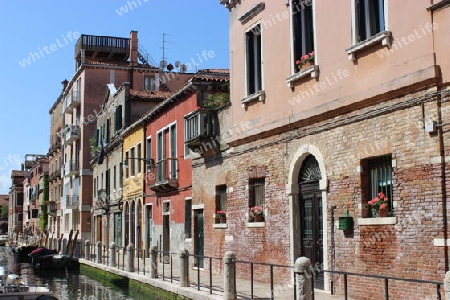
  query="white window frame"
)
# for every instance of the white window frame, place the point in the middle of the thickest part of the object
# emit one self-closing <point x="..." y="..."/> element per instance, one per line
<point x="261" y="30"/>
<point x="161" y="130"/>
<point x="151" y="86"/>
<point x="139" y="156"/>
<point x="293" y="58"/>
<point x="148" y="152"/>
<point x="384" y="37"/>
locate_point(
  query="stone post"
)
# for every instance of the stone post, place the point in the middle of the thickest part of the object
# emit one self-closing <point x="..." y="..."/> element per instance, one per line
<point x="64" y="246"/>
<point x="99" y="252"/>
<point x="129" y="256"/>
<point x="447" y="285"/>
<point x="87" y="250"/>
<point x="303" y="278"/>
<point x="59" y="245"/>
<point x="112" y="254"/>
<point x="229" y="276"/>
<point x="184" y="268"/>
<point x="154" y="262"/>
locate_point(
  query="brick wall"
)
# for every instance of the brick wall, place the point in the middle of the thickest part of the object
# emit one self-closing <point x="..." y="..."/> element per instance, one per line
<point x="404" y="249"/>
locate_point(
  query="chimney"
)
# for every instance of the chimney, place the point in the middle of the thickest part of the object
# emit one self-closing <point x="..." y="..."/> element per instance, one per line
<point x="64" y="84"/>
<point x="133" y="48"/>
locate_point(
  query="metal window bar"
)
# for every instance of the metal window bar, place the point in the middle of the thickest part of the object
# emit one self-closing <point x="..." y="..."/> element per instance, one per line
<point x="381" y="177"/>
<point x="257" y="188"/>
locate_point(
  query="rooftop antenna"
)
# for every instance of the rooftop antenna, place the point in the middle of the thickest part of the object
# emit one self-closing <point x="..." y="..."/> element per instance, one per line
<point x="163" y="63"/>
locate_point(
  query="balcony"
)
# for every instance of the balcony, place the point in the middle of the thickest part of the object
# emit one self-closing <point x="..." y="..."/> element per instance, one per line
<point x="102" y="47"/>
<point x="52" y="208"/>
<point x="55" y="144"/>
<point x="71" y="101"/>
<point x="71" y="167"/>
<point x="201" y="127"/>
<point x="103" y="199"/>
<point x="163" y="178"/>
<point x="71" y="133"/>
<point x="53" y="176"/>
<point x="71" y="201"/>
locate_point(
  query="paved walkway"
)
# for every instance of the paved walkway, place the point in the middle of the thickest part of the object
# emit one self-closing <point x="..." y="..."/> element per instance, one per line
<point x="205" y="290"/>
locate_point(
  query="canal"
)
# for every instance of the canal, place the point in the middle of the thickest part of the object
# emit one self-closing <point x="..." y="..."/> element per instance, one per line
<point x="66" y="284"/>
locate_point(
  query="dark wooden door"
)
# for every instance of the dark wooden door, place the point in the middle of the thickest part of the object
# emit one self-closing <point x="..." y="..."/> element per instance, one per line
<point x="199" y="237"/>
<point x="312" y="229"/>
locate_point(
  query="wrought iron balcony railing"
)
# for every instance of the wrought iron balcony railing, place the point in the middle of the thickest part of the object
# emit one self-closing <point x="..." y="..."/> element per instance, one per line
<point x="200" y="127"/>
<point x="71" y="101"/>
<point x="71" y="167"/>
<point x="71" y="133"/>
<point x="163" y="177"/>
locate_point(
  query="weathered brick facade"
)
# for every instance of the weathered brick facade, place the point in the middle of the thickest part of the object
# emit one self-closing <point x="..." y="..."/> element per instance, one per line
<point x="403" y="249"/>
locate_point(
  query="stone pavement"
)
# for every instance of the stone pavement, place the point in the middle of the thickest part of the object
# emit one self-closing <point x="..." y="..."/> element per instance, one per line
<point x="243" y="287"/>
<point x="203" y="290"/>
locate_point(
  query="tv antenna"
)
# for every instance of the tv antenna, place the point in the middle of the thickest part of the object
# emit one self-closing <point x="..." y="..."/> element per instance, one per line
<point x="163" y="63"/>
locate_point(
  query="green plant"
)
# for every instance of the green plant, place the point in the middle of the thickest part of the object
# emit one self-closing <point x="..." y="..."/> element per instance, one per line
<point x="216" y="100"/>
<point x="94" y="147"/>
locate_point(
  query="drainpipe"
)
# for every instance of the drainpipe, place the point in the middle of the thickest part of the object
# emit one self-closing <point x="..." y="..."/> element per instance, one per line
<point x="333" y="249"/>
<point x="441" y="140"/>
<point x="444" y="179"/>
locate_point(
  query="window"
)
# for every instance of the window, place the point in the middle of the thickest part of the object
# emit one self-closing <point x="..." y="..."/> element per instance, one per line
<point x="257" y="192"/>
<point x="188" y="218"/>
<point x="128" y="163"/>
<point x="95" y="187"/>
<point x="20" y="217"/>
<point x="221" y="197"/>
<point x="139" y="161"/>
<point x="118" y="118"/>
<point x="131" y="162"/>
<point x="120" y="175"/>
<point x="303" y="28"/>
<point x="173" y="151"/>
<point x="34" y="213"/>
<point x="148" y="152"/>
<point x="19" y="199"/>
<point x="379" y="178"/>
<point x="149" y="83"/>
<point x="369" y="18"/>
<point x="108" y="125"/>
<point x="159" y="150"/>
<point x="254" y="60"/>
<point x="114" y="178"/>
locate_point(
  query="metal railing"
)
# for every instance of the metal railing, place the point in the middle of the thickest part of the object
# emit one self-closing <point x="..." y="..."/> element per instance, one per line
<point x="208" y="273"/>
<point x="385" y="279"/>
<point x="270" y="268"/>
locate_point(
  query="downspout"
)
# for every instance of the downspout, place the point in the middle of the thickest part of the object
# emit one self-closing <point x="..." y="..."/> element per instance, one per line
<point x="441" y="150"/>
<point x="444" y="181"/>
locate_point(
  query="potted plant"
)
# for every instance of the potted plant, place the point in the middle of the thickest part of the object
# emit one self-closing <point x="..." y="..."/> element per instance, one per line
<point x="256" y="212"/>
<point x="222" y="216"/>
<point x="305" y="61"/>
<point x="380" y="205"/>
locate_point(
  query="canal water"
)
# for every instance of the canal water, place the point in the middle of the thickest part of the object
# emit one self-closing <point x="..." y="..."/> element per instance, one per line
<point x="65" y="284"/>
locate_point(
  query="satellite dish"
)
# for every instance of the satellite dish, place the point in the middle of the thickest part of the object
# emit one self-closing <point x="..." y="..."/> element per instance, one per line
<point x="177" y="64"/>
<point x="163" y="64"/>
<point x="170" y="67"/>
<point x="183" y="68"/>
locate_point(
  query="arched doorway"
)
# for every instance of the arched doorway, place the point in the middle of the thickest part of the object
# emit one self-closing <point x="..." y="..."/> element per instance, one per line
<point x="311" y="216"/>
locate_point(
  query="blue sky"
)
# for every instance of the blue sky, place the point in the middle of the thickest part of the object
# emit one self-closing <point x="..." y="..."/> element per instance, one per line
<point x="37" y="53"/>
